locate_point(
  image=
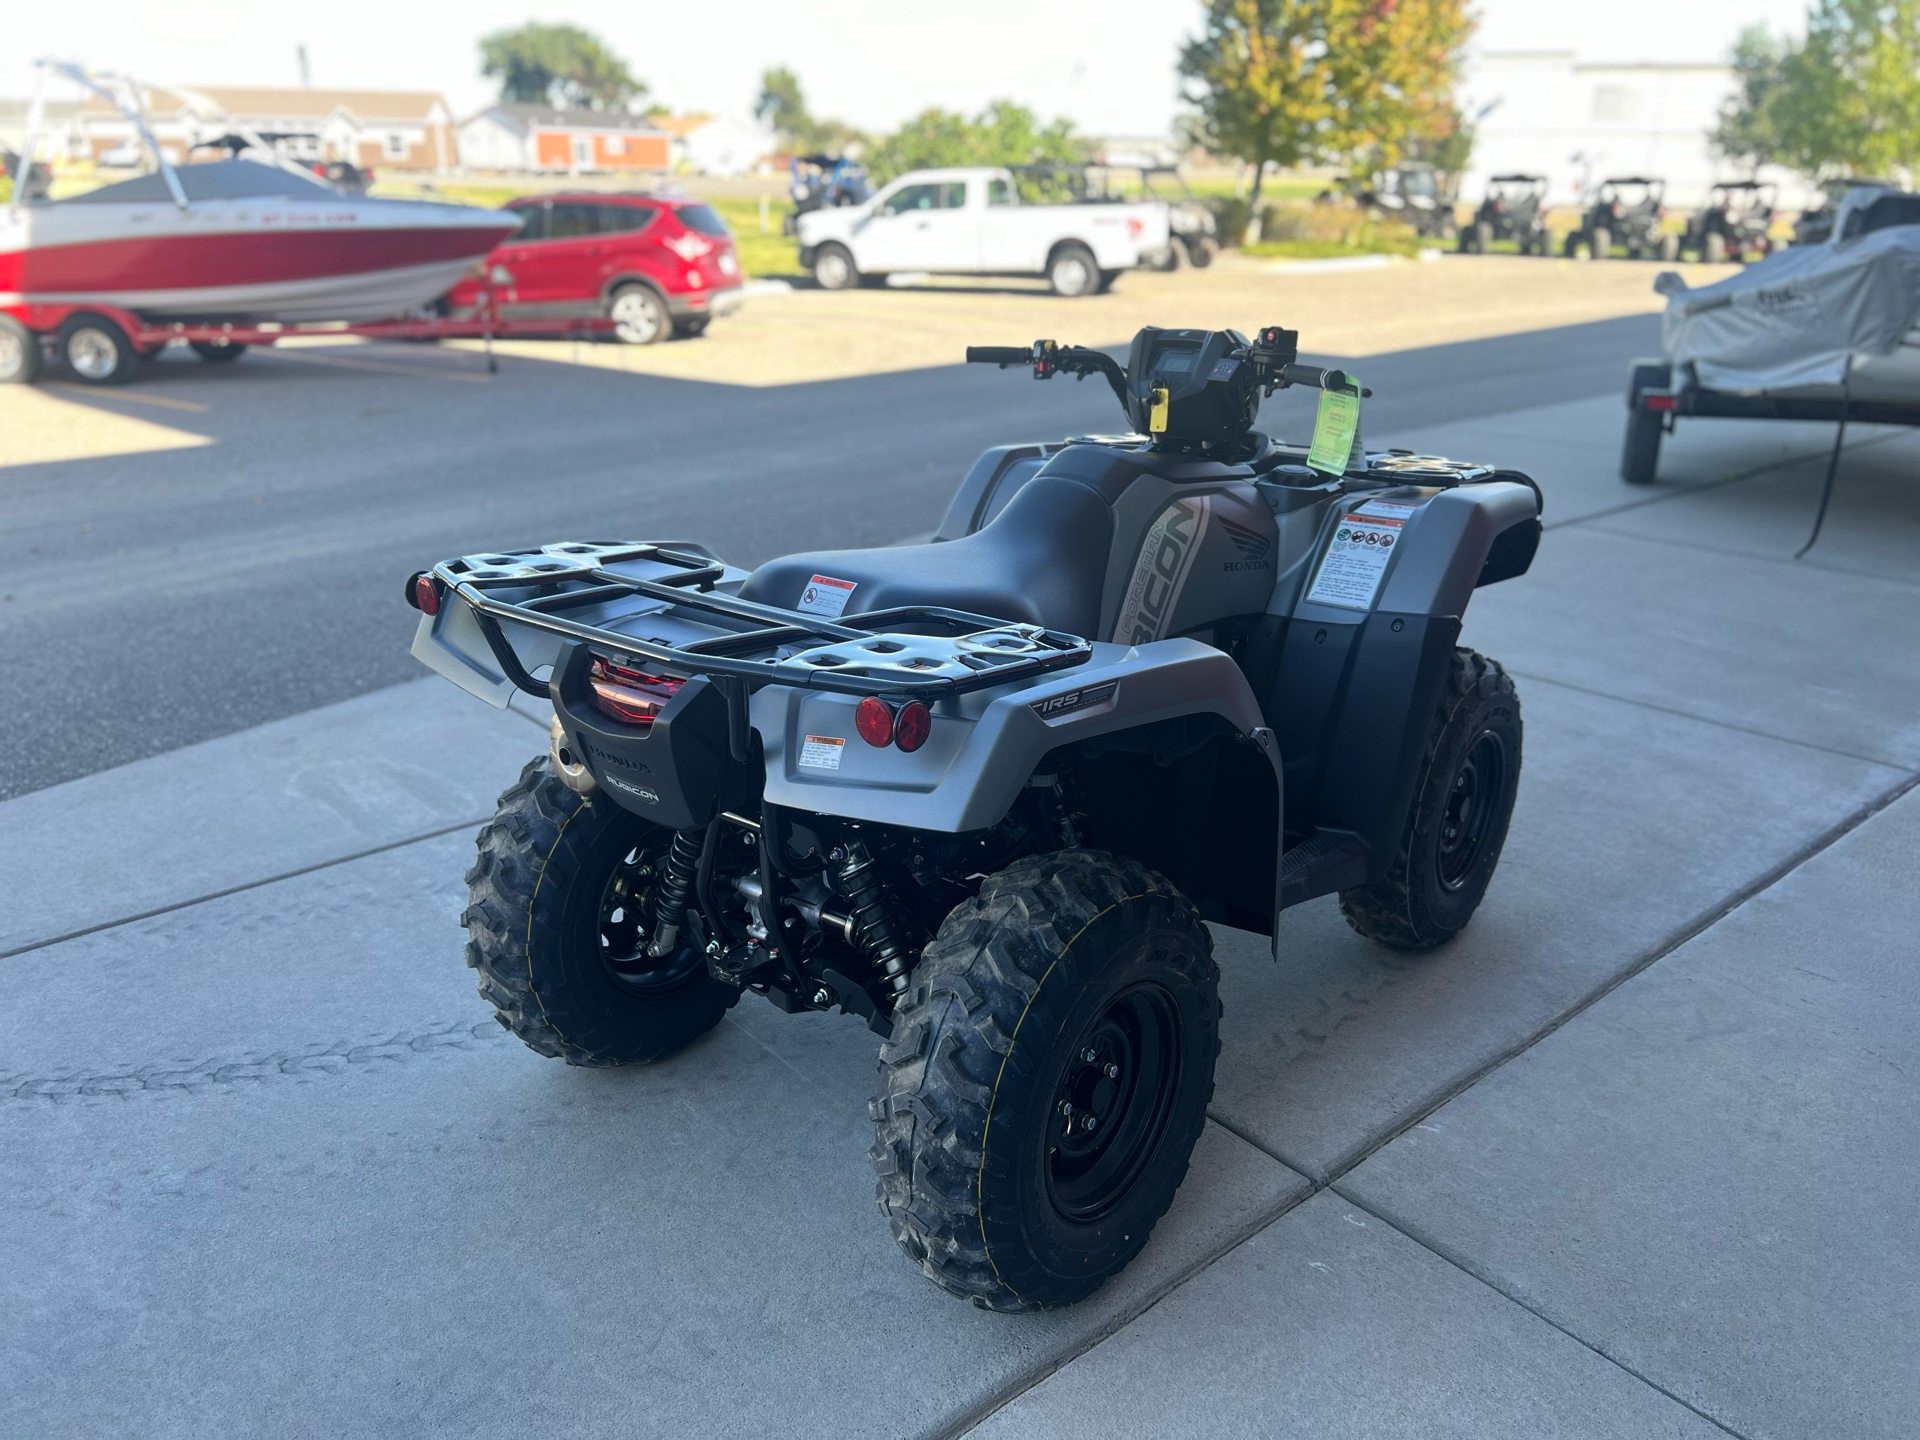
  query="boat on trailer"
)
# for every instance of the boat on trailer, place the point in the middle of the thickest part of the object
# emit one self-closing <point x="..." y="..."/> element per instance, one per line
<point x="239" y="242"/>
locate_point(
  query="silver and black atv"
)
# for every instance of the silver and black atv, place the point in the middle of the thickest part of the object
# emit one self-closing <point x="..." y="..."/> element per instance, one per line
<point x="985" y="792"/>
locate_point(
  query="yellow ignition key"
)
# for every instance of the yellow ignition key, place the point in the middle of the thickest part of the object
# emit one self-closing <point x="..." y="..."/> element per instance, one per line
<point x="1157" y="417"/>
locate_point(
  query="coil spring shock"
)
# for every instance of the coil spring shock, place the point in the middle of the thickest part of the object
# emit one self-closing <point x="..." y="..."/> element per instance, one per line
<point x="880" y="924"/>
<point x="670" y="906"/>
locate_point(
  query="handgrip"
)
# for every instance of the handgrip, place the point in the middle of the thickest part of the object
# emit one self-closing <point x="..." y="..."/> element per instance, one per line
<point x="1318" y="378"/>
<point x="999" y="355"/>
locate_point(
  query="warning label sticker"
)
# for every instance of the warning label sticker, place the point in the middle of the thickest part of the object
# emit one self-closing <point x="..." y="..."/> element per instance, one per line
<point x="822" y="752"/>
<point x="826" y="596"/>
<point x="1355" y="561"/>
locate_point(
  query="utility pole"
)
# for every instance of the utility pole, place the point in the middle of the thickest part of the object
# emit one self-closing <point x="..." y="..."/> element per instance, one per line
<point x="306" y="74"/>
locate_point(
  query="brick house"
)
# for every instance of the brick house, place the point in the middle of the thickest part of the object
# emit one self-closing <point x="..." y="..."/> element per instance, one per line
<point x="376" y="129"/>
<point x="541" y="138"/>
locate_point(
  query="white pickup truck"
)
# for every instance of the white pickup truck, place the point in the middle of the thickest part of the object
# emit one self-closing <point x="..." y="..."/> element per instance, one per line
<point x="973" y="222"/>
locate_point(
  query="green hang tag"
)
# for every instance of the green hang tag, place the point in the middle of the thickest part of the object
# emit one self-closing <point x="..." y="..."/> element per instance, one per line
<point x="1333" y="428"/>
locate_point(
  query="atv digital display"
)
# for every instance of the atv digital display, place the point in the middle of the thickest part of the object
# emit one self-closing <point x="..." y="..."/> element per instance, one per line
<point x="1174" y="362"/>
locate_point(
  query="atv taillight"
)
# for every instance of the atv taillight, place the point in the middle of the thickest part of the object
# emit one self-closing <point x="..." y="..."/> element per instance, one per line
<point x="874" y="720"/>
<point x="426" y="595"/>
<point x="912" y="726"/>
<point x="627" y="695"/>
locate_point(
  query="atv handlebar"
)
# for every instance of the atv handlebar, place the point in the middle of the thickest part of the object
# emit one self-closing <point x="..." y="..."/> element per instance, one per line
<point x="999" y="355"/>
<point x="1318" y="378"/>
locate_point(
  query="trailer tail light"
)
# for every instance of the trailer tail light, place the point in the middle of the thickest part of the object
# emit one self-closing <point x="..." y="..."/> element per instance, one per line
<point x="1657" y="402"/>
<point x="912" y="726"/>
<point x="627" y="695"/>
<point x="874" y="720"/>
<point x="423" y="594"/>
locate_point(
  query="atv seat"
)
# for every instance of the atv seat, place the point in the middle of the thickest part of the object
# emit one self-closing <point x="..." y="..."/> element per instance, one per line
<point x="1041" y="561"/>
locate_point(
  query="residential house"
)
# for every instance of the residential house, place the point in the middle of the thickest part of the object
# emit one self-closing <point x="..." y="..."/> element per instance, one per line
<point x="542" y="138"/>
<point x="375" y="129"/>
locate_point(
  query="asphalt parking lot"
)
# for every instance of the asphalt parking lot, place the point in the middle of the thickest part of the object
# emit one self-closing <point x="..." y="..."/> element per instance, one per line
<point x="1634" y="1156"/>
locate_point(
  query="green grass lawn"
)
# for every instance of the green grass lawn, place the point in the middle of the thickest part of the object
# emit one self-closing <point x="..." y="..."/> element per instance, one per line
<point x="763" y="255"/>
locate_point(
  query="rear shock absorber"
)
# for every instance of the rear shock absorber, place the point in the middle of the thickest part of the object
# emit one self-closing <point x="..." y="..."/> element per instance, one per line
<point x="880" y="923"/>
<point x="676" y="884"/>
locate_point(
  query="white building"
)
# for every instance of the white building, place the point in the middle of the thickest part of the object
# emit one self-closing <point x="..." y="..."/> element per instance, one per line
<point x="718" y="145"/>
<point x="1546" y="112"/>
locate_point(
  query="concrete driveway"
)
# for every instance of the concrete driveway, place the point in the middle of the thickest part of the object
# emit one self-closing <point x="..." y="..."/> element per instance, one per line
<point x="1634" y="1156"/>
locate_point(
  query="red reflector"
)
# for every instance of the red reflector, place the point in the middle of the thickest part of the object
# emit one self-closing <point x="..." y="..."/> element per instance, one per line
<point x="912" y="726"/>
<point x="1658" y="402"/>
<point x="426" y="595"/>
<point x="874" y="721"/>
<point x="627" y="695"/>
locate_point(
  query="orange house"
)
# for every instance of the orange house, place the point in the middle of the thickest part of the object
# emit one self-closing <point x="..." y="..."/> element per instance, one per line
<point x="538" y="137"/>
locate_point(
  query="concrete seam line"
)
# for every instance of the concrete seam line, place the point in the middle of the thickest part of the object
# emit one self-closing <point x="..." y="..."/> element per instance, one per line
<point x="1706" y="485"/>
<point x="1784" y="560"/>
<point x="978" y="1413"/>
<point x="236" y="889"/>
<point x="1434" y="1248"/>
<point x="1695" y="927"/>
<point x="1533" y="677"/>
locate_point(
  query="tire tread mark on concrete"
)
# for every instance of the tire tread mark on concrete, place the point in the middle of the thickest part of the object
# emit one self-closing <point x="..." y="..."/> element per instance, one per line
<point x="239" y="889"/>
<point x="185" y="1077"/>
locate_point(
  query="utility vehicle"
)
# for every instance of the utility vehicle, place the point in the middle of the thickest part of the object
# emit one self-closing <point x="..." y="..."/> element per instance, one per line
<point x="985" y="793"/>
<point x="1514" y="209"/>
<point x="1409" y="192"/>
<point x="1733" y="223"/>
<point x="1627" y="210"/>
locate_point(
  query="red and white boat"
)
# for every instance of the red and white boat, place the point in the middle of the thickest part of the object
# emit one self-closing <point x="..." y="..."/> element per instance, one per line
<point x="243" y="241"/>
<point x="235" y="240"/>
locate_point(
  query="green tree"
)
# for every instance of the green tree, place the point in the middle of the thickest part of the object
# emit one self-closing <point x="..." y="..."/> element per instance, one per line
<point x="1300" y="82"/>
<point x="1845" y="100"/>
<point x="1002" y="134"/>
<point x="560" y="65"/>
<point x="781" y="106"/>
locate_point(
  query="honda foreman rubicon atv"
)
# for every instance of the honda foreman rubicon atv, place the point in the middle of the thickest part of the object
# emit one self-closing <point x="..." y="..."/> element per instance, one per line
<point x="985" y="792"/>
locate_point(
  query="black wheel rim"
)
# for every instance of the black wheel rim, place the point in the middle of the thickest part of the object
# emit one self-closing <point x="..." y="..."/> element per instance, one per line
<point x="1472" y="800"/>
<point x="624" y="928"/>
<point x="1113" y="1104"/>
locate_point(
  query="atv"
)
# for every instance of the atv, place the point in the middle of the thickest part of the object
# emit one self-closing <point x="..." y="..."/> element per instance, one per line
<point x="1733" y="223"/>
<point x="1626" y="211"/>
<point x="986" y="793"/>
<point x="1512" y="210"/>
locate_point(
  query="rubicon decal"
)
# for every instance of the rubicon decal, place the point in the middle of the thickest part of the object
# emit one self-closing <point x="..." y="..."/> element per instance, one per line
<point x="1054" y="706"/>
<point x="1160" y="574"/>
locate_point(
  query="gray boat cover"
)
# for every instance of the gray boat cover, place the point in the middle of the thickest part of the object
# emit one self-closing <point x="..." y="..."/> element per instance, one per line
<point x="212" y="180"/>
<point x="1795" y="317"/>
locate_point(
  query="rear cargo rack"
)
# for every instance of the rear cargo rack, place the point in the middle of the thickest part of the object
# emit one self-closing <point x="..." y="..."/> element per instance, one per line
<point x="919" y="652"/>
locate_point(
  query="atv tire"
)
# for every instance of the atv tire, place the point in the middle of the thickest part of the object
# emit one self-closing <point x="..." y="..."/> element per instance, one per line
<point x="1600" y="246"/>
<point x="1459" y="817"/>
<point x="1713" y="250"/>
<point x="1016" y="1171"/>
<point x="561" y="959"/>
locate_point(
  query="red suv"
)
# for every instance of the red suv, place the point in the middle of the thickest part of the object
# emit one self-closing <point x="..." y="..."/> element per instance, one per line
<point x="653" y="264"/>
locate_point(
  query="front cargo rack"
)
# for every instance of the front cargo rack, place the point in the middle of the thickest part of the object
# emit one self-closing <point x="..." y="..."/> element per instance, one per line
<point x="922" y="652"/>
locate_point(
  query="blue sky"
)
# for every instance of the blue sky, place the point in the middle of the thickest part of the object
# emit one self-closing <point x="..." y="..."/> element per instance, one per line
<point x="1108" y="66"/>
